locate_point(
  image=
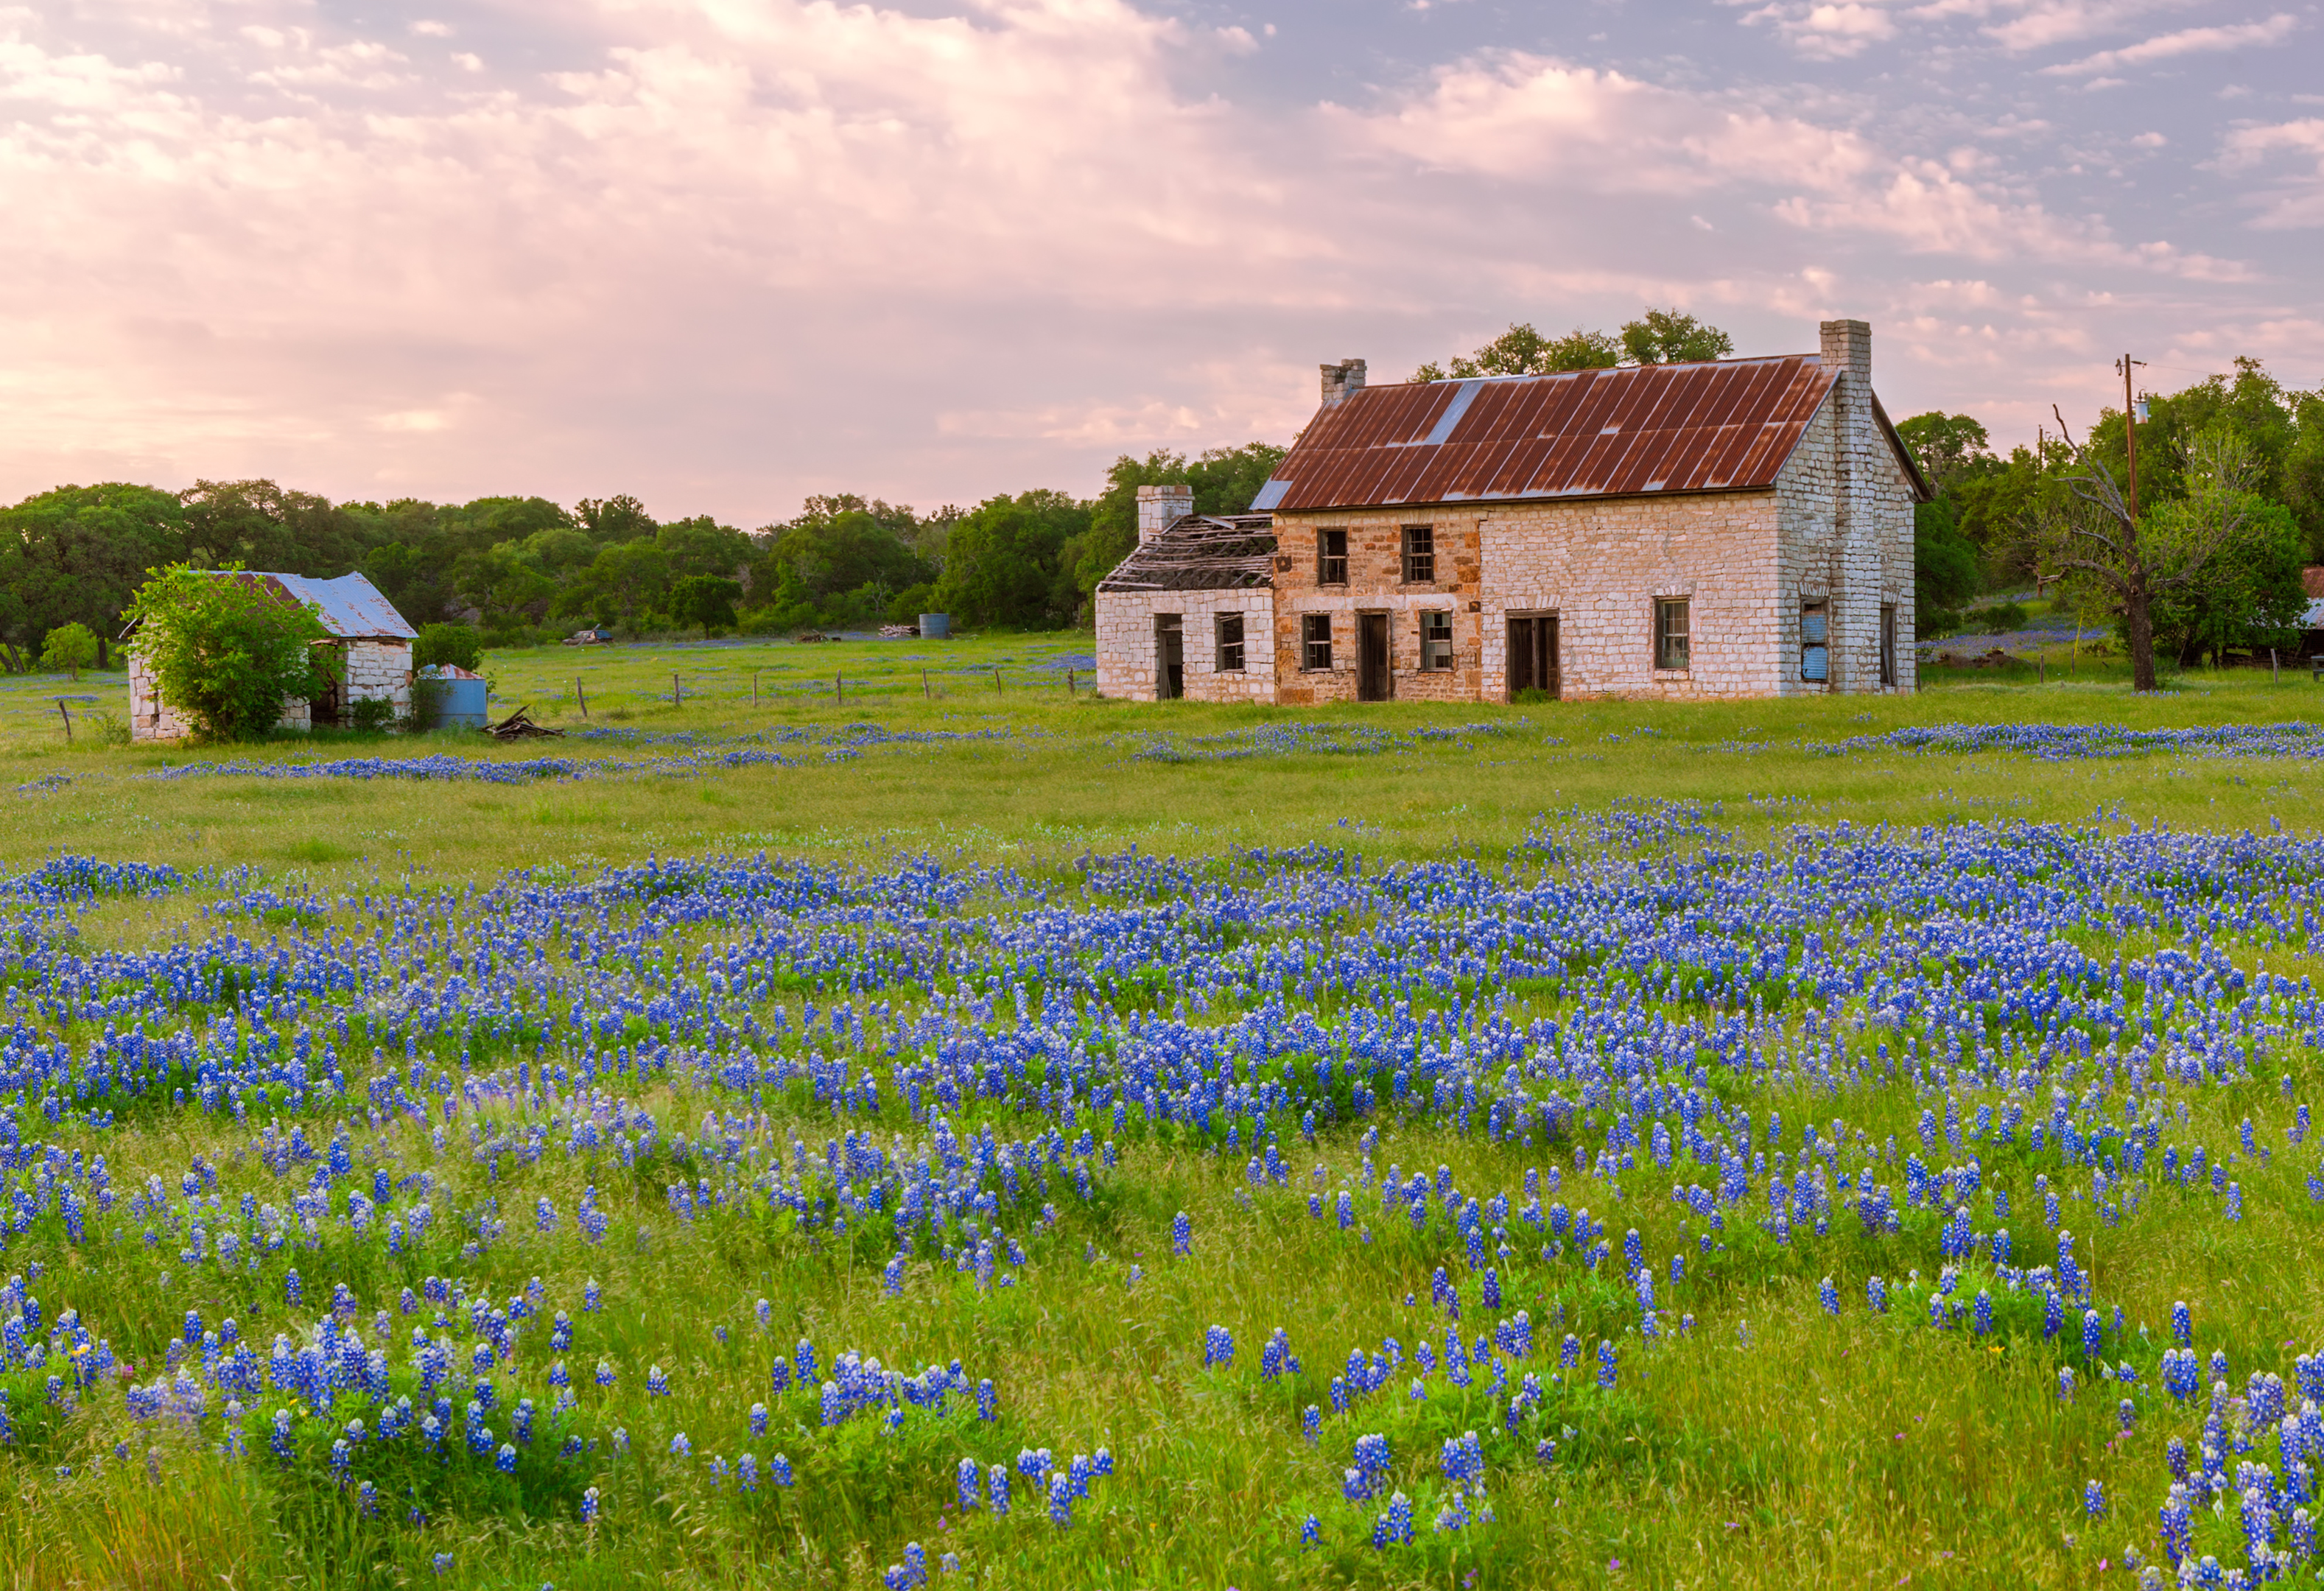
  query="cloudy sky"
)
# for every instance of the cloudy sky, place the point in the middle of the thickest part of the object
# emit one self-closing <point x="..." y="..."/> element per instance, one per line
<point x="727" y="252"/>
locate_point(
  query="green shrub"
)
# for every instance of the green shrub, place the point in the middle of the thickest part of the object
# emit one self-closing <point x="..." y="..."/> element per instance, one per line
<point x="225" y="649"/>
<point x="908" y="604"/>
<point x="1995" y="617"/>
<point x="69" y="648"/>
<point x="460" y="645"/>
<point x="370" y="714"/>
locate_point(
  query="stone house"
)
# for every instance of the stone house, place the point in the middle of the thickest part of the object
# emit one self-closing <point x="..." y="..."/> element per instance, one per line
<point x="1733" y="528"/>
<point x="373" y="642"/>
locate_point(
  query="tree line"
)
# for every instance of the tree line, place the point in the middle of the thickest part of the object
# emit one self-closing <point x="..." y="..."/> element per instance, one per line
<point x="524" y="569"/>
<point x="2229" y="510"/>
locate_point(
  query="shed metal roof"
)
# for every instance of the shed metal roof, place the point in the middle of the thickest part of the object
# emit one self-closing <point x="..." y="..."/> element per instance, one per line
<point x="1720" y="425"/>
<point x="351" y="607"/>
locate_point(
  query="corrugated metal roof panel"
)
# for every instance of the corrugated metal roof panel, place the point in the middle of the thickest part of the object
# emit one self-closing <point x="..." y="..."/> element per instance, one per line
<point x="351" y="606"/>
<point x="1722" y="426"/>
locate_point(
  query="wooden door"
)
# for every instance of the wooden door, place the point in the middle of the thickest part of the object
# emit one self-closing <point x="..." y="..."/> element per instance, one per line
<point x="1533" y="653"/>
<point x="1169" y="657"/>
<point x="1371" y="658"/>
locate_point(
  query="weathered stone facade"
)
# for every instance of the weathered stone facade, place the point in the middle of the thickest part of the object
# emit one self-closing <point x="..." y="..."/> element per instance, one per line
<point x="369" y="666"/>
<point x="1128" y="665"/>
<point x="375" y="670"/>
<point x="1825" y="540"/>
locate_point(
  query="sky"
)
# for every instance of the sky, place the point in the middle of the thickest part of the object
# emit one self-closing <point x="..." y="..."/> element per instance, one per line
<point x="726" y="253"/>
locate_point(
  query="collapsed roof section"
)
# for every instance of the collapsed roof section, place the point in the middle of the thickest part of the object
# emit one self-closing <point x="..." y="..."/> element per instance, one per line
<point x="1201" y="552"/>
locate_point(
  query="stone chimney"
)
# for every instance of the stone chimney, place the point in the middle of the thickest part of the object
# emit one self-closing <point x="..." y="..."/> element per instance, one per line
<point x="1343" y="382"/>
<point x="1161" y="507"/>
<point x="1848" y="349"/>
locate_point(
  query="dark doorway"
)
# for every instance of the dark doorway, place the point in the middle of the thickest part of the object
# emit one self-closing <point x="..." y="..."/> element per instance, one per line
<point x="1371" y="658"/>
<point x="1169" y="657"/>
<point x="1533" y="653"/>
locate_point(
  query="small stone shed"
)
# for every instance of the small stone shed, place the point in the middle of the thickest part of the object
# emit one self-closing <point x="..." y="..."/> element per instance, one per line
<point x="1191" y="613"/>
<point x="372" y="640"/>
<point x="1729" y="528"/>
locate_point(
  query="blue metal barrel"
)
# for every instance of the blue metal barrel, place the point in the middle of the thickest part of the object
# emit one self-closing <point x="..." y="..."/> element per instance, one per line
<point x="935" y="627"/>
<point x="463" y="704"/>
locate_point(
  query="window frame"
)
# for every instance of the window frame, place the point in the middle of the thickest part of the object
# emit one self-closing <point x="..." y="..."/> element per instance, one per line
<point x="1888" y="644"/>
<point x="1667" y="658"/>
<point x="1417" y="555"/>
<point x="1331" y="567"/>
<point x="1815" y="641"/>
<point x="1227" y="657"/>
<point x="1436" y="651"/>
<point x="1310" y="625"/>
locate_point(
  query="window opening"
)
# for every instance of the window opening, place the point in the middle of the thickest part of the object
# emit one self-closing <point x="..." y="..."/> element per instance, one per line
<point x="1315" y="634"/>
<point x="1815" y="652"/>
<point x="1230" y="644"/>
<point x="1419" y="555"/>
<point x="1331" y="557"/>
<point x="1435" y="640"/>
<point x="1672" y="640"/>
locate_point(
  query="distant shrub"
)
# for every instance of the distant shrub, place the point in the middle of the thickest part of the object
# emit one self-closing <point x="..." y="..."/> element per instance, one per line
<point x="462" y="646"/>
<point x="69" y="648"/>
<point x="370" y="714"/>
<point x="1995" y="617"/>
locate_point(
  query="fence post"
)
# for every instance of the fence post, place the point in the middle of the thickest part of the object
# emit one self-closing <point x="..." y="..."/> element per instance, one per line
<point x="754" y="687"/>
<point x="996" y="679"/>
<point x="839" y="689"/>
<point x="2271" y="666"/>
<point x="1069" y="682"/>
<point x="926" y="695"/>
<point x="581" y="696"/>
<point x="677" y="695"/>
<point x="67" y="716"/>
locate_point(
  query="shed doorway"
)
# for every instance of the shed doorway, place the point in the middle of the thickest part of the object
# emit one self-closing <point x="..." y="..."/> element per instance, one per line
<point x="1371" y="658"/>
<point x="1169" y="657"/>
<point x="1533" y="653"/>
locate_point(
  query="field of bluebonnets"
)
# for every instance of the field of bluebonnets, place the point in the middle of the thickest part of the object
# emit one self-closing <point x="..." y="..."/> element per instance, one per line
<point x="958" y="1133"/>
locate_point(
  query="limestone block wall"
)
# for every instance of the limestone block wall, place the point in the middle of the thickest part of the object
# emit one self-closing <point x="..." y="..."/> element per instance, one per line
<point x="374" y="669"/>
<point x="1126" y="662"/>
<point x="1375" y="585"/>
<point x="378" y="671"/>
<point x="1600" y="565"/>
<point x="1846" y="539"/>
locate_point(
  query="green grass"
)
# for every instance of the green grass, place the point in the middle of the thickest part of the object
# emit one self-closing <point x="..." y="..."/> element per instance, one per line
<point x="1775" y="1447"/>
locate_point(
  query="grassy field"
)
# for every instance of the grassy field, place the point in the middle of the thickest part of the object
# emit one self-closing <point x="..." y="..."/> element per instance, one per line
<point x="894" y="999"/>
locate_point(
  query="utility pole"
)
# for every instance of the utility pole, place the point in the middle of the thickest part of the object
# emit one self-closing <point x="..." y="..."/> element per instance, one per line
<point x="2130" y="426"/>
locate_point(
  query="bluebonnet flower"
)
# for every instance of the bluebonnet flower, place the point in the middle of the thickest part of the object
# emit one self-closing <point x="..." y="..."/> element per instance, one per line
<point x="679" y="1446"/>
<point x="1605" y="1363"/>
<point x="970" y="1491"/>
<point x="1310" y="1424"/>
<point x="988" y="1401"/>
<point x="779" y="1469"/>
<point x="996" y="1480"/>
<point x="657" y="1382"/>
<point x="506" y="1459"/>
<point x="1218" y="1348"/>
<point x="746" y="1472"/>
<point x="2093" y="1500"/>
<point x="1182" y="1234"/>
<point x="1311" y="1530"/>
<point x="2182" y="1324"/>
<point x="1828" y="1296"/>
<point x="1875" y="1294"/>
<point x="1061" y="1501"/>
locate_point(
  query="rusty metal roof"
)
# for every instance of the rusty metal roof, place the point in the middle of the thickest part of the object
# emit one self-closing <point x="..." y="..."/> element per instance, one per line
<point x="1720" y="426"/>
<point x="1200" y="552"/>
<point x="350" y="607"/>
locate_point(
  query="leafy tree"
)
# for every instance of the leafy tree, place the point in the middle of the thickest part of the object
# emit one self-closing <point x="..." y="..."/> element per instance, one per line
<point x="1523" y="351"/>
<point x="1659" y="336"/>
<point x="1003" y="567"/>
<point x="504" y="583"/>
<point x="841" y="561"/>
<point x="613" y="519"/>
<point x="1945" y="566"/>
<point x="225" y="649"/>
<point x="462" y="646"/>
<point x="74" y="555"/>
<point x="1666" y="336"/>
<point x="1952" y="447"/>
<point x="259" y="525"/>
<point x="623" y="581"/>
<point x="708" y="600"/>
<point x="69" y="647"/>
<point x="2087" y="535"/>
<point x="703" y="546"/>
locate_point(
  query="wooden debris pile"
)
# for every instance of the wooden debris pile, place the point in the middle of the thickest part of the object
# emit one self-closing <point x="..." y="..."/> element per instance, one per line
<point x="519" y="726"/>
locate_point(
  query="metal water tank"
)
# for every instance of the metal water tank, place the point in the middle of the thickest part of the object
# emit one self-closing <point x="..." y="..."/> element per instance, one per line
<point x="461" y="705"/>
<point x="935" y="627"/>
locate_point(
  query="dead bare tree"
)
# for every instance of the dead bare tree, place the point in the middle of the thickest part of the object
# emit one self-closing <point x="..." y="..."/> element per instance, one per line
<point x="2091" y="535"/>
